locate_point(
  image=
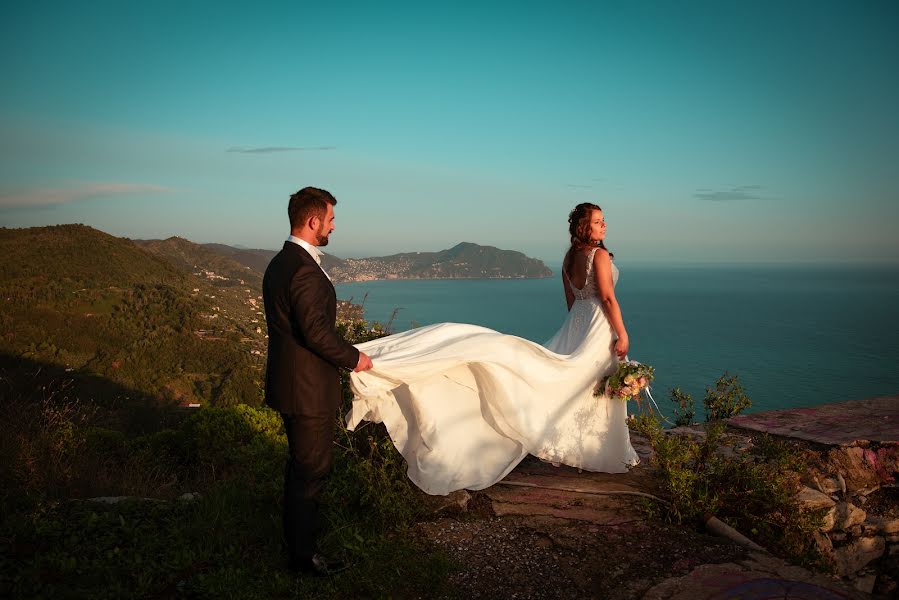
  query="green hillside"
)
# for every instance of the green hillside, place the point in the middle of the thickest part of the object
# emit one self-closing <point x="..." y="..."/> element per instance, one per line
<point x="205" y="261"/>
<point x="55" y="261"/>
<point x="257" y="259"/>
<point x="98" y="305"/>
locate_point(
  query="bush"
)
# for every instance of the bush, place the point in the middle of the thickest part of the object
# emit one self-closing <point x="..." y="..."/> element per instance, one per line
<point x="685" y="409"/>
<point x="754" y="494"/>
<point x="726" y="399"/>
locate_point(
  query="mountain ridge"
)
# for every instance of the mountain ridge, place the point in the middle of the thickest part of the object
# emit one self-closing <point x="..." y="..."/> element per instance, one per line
<point x="465" y="260"/>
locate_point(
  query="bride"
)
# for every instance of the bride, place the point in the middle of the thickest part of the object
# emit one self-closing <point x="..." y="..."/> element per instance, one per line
<point x="465" y="404"/>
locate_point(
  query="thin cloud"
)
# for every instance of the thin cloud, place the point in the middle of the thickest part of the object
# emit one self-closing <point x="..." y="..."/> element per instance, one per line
<point x="742" y="192"/>
<point x="274" y="149"/>
<point x="578" y="186"/>
<point x="74" y="193"/>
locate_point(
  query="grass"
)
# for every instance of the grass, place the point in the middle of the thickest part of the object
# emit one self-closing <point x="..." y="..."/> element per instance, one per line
<point x="57" y="450"/>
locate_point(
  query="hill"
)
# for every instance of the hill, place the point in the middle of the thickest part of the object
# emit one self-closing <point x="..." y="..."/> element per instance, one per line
<point x="101" y="306"/>
<point x="170" y="319"/>
<point x="462" y="261"/>
<point x="219" y="268"/>
<point x="258" y="259"/>
<point x="255" y="259"/>
<point x="64" y="257"/>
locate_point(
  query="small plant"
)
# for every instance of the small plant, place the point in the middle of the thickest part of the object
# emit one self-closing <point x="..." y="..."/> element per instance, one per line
<point x="726" y="399"/>
<point x="685" y="408"/>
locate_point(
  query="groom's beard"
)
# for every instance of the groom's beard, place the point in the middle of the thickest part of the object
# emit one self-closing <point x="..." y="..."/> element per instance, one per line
<point x="322" y="237"/>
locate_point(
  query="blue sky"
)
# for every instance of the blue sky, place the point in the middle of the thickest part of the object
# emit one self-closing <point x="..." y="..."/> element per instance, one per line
<point x="708" y="131"/>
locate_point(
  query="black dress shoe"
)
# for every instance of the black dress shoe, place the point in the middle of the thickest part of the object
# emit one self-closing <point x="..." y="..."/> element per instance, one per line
<point x="320" y="566"/>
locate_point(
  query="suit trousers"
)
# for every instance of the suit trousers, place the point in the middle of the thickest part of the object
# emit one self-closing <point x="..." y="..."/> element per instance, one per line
<point x="309" y="439"/>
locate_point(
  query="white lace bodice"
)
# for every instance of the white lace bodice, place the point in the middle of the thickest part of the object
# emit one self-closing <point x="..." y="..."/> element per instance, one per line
<point x="590" y="290"/>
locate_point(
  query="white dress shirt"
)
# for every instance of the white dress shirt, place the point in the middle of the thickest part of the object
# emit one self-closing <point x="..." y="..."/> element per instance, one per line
<point x="313" y="251"/>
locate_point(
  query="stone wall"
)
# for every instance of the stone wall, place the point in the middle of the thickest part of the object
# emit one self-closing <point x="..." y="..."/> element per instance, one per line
<point x="861" y="532"/>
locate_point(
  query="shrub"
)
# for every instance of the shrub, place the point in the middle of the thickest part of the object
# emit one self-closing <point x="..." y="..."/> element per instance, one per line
<point x="685" y="409"/>
<point x="754" y="494"/>
<point x="726" y="399"/>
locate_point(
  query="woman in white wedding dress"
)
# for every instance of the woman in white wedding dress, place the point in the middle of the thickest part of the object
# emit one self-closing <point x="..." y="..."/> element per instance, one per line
<point x="464" y="404"/>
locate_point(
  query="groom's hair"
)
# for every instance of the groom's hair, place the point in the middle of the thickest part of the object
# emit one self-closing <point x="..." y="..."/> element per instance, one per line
<point x="307" y="203"/>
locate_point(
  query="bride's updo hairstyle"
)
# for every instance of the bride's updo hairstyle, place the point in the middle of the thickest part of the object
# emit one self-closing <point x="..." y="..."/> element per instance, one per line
<point x="579" y="227"/>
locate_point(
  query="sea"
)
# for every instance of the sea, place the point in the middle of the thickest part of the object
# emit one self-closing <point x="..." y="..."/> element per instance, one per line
<point x="795" y="335"/>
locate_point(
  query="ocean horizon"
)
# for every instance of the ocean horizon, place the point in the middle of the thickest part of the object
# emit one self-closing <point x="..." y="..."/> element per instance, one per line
<point x="796" y="334"/>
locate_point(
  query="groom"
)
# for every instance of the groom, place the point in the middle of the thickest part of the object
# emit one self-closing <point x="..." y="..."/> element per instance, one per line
<point x="302" y="381"/>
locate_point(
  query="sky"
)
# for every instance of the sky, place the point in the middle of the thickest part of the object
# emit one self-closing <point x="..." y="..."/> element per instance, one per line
<point x="707" y="131"/>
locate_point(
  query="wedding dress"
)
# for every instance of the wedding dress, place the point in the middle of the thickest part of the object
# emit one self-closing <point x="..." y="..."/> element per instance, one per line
<point x="465" y="404"/>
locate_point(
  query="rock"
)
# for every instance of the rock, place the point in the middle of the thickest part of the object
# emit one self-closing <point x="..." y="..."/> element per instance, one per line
<point x="454" y="502"/>
<point x="855" y="531"/>
<point x="853" y="557"/>
<point x="692" y="431"/>
<point x="189" y="496"/>
<point x="813" y="499"/>
<point x="886" y="525"/>
<point x="870" y="528"/>
<point x="894" y="550"/>
<point x="829" y="520"/>
<point x="848" y="515"/>
<point x="829" y="485"/>
<point x="851" y="464"/>
<point x="816" y="479"/>
<point x="886" y="586"/>
<point x="118" y="499"/>
<point x="825" y="546"/>
<point x="842" y="482"/>
<point x="865" y="583"/>
<point x="893" y="538"/>
<point x="837" y="536"/>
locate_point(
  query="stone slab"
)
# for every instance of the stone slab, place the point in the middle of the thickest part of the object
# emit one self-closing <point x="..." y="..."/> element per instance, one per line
<point x="840" y="424"/>
<point x="759" y="577"/>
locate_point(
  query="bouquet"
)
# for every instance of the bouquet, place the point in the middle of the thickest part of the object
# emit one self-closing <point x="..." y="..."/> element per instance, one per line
<point x="627" y="381"/>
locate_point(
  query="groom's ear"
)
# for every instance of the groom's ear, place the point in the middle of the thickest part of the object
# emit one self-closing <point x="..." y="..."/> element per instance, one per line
<point x="313" y="222"/>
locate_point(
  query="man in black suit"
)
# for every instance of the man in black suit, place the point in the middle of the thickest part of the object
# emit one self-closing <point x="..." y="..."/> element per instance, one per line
<point x="302" y="381"/>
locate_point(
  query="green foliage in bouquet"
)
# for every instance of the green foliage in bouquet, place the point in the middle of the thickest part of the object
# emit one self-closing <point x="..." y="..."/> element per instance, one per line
<point x="628" y="380"/>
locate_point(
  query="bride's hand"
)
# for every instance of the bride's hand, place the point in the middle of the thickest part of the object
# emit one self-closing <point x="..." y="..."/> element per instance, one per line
<point x="621" y="346"/>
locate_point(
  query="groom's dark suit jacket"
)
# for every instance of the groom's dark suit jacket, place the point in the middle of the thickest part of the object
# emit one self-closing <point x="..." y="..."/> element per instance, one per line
<point x="304" y="349"/>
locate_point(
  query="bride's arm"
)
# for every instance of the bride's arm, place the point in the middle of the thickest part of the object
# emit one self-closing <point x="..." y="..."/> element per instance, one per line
<point x="602" y="267"/>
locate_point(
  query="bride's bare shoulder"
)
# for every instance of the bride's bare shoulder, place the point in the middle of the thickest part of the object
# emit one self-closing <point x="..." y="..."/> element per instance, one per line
<point x="601" y="255"/>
